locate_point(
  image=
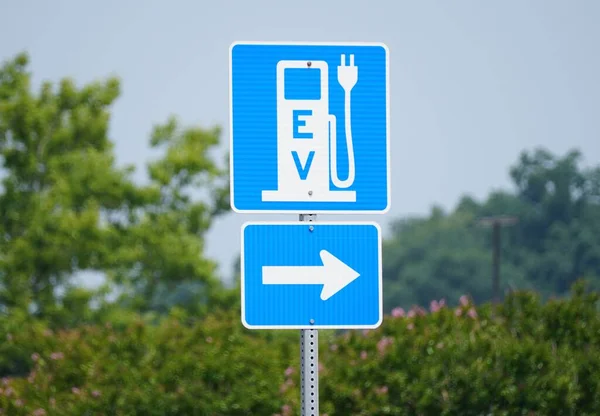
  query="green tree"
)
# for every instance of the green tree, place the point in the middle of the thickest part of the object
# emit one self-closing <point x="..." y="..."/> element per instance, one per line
<point x="434" y="258"/>
<point x="556" y="241"/>
<point x="66" y="207"/>
<point x="559" y="239"/>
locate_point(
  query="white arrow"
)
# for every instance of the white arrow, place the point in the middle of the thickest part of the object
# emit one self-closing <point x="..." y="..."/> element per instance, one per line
<point x="334" y="275"/>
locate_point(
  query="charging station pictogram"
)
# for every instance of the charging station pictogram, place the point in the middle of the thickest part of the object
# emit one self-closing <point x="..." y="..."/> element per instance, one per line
<point x="309" y="127"/>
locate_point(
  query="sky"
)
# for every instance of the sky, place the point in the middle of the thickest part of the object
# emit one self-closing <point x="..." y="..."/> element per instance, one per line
<point x="472" y="83"/>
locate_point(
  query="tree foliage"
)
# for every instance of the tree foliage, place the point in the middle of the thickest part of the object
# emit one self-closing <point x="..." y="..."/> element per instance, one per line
<point x="555" y="242"/>
<point x="66" y="207"/>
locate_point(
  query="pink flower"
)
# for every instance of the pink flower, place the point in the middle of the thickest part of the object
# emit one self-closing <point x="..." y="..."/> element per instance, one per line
<point x="383" y="344"/>
<point x="416" y="310"/>
<point x="381" y="390"/>
<point x="286" y="385"/>
<point x="437" y="305"/>
<point x="96" y="393"/>
<point x="333" y="347"/>
<point x="209" y="340"/>
<point x="35" y="356"/>
<point x="410" y="326"/>
<point x="57" y="356"/>
<point x="19" y="402"/>
<point x="289" y="371"/>
<point x="75" y="390"/>
<point x="472" y="313"/>
<point x="286" y="410"/>
<point x="464" y="300"/>
<point x="363" y="355"/>
<point x="283" y="388"/>
<point x="398" y="312"/>
<point x="39" y="412"/>
<point x="321" y="366"/>
<point x="458" y="312"/>
<point x="366" y="331"/>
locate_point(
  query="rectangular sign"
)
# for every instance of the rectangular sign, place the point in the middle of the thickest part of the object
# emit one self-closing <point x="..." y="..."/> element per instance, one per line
<point x="309" y="127"/>
<point x="303" y="275"/>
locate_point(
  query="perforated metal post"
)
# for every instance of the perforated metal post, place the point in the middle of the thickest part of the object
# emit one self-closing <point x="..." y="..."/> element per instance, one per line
<point x="309" y="372"/>
<point x="309" y="361"/>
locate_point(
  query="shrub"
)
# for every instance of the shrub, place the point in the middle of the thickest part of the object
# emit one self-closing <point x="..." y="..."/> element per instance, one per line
<point x="521" y="358"/>
<point x="526" y="358"/>
<point x="212" y="368"/>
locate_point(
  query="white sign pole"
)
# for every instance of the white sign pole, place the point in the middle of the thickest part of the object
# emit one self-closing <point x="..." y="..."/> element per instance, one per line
<point x="309" y="360"/>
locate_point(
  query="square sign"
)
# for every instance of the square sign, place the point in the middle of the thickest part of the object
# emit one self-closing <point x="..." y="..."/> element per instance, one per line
<point x="298" y="275"/>
<point x="309" y="127"/>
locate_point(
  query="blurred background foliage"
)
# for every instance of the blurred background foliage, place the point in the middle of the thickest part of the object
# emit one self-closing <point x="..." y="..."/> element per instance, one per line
<point x="162" y="335"/>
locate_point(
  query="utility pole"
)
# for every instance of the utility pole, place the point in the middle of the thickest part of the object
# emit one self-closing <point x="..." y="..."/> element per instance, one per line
<point x="496" y="222"/>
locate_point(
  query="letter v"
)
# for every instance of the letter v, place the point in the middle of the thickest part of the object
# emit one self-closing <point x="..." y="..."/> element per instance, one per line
<point x="303" y="170"/>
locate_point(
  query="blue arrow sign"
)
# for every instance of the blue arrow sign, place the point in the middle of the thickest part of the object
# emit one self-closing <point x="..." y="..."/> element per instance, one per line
<point x="309" y="127"/>
<point x="304" y="275"/>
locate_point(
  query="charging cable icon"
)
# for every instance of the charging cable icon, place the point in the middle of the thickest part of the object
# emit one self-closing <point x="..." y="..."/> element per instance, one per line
<point x="307" y="148"/>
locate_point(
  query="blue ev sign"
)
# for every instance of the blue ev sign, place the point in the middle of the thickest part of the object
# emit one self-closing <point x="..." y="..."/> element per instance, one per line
<point x="309" y="127"/>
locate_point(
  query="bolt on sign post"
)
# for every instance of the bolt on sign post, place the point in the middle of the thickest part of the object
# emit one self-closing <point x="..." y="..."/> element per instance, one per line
<point x="309" y="134"/>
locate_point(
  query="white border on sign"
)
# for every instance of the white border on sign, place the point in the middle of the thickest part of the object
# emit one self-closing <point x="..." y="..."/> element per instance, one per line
<point x="307" y="224"/>
<point x="387" y="122"/>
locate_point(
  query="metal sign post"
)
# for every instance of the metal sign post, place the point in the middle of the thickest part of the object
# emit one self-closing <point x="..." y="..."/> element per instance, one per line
<point x="309" y="361"/>
<point x="309" y="372"/>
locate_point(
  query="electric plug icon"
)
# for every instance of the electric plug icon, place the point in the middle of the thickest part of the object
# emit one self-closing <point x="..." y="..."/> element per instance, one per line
<point x="347" y="74"/>
<point x="347" y="77"/>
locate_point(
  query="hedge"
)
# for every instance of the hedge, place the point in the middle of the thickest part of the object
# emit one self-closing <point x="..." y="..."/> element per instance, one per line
<point x="520" y="358"/>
